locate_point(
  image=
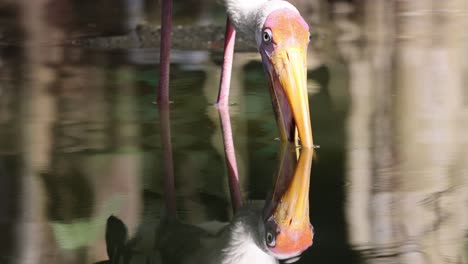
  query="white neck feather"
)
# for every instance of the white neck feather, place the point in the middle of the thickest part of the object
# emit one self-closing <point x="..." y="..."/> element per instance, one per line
<point x="248" y="16"/>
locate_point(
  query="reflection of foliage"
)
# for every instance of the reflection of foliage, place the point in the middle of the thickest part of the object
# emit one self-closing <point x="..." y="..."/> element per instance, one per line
<point x="70" y="195"/>
<point x="78" y="233"/>
<point x="81" y="232"/>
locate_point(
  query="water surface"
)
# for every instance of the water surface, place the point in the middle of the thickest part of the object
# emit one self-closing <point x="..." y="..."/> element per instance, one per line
<point x="80" y="134"/>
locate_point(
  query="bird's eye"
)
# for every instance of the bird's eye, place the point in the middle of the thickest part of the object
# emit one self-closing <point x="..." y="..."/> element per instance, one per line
<point x="270" y="233"/>
<point x="267" y="36"/>
<point x="270" y="239"/>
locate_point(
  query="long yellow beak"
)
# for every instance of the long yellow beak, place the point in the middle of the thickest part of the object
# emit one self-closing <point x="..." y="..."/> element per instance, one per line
<point x="287" y="212"/>
<point x="289" y="78"/>
<point x="291" y="213"/>
<point x="293" y="208"/>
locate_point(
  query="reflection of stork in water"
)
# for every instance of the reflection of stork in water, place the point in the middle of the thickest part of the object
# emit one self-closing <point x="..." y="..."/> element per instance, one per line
<point x="281" y="36"/>
<point x="280" y="231"/>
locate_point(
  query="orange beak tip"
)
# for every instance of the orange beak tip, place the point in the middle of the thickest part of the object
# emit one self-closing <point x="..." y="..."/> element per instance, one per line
<point x="293" y="241"/>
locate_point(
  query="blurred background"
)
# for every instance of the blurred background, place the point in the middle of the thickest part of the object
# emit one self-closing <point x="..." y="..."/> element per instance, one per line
<point x="80" y="135"/>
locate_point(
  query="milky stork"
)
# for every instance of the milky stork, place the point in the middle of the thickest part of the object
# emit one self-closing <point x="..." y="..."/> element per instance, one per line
<point x="281" y="36"/>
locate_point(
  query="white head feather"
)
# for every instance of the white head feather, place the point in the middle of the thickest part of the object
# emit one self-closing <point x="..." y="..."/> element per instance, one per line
<point x="242" y="248"/>
<point x="248" y="16"/>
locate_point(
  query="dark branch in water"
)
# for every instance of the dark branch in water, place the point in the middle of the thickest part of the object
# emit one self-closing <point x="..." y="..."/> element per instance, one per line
<point x="183" y="37"/>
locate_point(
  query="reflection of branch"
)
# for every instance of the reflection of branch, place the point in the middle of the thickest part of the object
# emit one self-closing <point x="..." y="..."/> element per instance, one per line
<point x="230" y="155"/>
<point x="434" y="203"/>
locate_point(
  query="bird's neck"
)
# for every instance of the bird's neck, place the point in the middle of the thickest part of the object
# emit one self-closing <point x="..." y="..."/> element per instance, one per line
<point x="244" y="15"/>
<point x="248" y="16"/>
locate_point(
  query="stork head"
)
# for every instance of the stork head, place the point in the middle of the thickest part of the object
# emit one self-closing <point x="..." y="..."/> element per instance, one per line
<point x="288" y="231"/>
<point x="282" y="38"/>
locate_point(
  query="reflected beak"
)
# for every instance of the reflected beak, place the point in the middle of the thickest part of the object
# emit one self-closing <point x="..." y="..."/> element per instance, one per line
<point x="291" y="210"/>
<point x="288" y="86"/>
